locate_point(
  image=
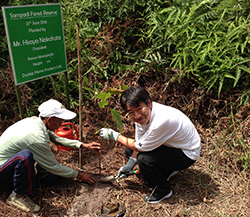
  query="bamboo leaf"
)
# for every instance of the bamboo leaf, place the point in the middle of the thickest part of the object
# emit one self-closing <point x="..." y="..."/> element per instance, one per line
<point x="244" y="68"/>
<point x="220" y="19"/>
<point x="237" y="77"/>
<point x="221" y="81"/>
<point x="227" y="75"/>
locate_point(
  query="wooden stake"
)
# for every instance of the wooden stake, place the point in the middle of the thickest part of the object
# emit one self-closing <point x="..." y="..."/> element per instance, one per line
<point x="19" y="102"/>
<point x="67" y="89"/>
<point x="80" y="93"/>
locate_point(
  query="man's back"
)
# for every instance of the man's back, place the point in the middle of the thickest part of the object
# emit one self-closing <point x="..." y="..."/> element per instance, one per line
<point x="22" y="135"/>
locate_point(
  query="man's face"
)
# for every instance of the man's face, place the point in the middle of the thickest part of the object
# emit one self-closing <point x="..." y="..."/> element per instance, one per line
<point x="53" y="123"/>
<point x="140" y="114"/>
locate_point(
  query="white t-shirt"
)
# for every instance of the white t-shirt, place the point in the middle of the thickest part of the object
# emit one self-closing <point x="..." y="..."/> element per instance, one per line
<point x="168" y="126"/>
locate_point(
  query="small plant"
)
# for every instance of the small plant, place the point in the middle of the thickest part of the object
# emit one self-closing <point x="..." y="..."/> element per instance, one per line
<point x="105" y="102"/>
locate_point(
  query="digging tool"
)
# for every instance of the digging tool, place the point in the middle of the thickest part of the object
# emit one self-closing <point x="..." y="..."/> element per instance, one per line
<point x="122" y="176"/>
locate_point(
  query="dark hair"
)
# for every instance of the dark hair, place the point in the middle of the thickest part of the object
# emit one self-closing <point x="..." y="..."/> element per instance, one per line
<point x="133" y="96"/>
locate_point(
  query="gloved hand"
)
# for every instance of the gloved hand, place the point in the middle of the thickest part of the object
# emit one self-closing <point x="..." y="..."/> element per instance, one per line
<point x="109" y="134"/>
<point x="128" y="167"/>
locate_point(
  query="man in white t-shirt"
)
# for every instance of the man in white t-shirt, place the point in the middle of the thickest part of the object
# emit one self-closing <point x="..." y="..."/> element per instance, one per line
<point x="165" y="141"/>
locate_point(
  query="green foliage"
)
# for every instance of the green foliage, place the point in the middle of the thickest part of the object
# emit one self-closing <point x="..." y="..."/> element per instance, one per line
<point x="204" y="39"/>
<point x="207" y="39"/>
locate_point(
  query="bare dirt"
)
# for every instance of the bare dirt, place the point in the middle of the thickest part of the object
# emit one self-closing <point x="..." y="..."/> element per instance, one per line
<point x="216" y="185"/>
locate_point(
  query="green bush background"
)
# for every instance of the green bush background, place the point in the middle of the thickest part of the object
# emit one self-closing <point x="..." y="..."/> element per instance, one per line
<point x="206" y="41"/>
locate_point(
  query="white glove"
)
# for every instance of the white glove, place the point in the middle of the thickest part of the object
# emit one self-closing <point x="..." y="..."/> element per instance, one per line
<point x="128" y="167"/>
<point x="109" y="134"/>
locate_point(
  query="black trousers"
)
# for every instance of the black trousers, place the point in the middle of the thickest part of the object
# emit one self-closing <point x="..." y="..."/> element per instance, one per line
<point x="18" y="173"/>
<point x="158" y="164"/>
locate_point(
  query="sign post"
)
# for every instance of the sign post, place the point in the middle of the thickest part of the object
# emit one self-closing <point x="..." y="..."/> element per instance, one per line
<point x="35" y="40"/>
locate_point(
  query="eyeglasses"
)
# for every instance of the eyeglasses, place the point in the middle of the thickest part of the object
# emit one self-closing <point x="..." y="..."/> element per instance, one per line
<point x="134" y="111"/>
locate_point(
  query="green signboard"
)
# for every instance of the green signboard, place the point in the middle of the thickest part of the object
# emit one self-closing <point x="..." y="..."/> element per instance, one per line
<point x="36" y="41"/>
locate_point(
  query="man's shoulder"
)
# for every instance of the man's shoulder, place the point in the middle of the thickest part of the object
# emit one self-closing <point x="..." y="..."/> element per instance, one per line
<point x="158" y="107"/>
<point x="33" y="125"/>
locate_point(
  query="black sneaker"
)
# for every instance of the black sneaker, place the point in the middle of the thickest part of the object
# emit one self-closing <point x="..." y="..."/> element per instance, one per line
<point x="157" y="196"/>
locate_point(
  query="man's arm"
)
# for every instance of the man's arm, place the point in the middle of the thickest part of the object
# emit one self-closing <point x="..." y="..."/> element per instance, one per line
<point x="110" y="134"/>
<point x="128" y="143"/>
<point x="134" y="154"/>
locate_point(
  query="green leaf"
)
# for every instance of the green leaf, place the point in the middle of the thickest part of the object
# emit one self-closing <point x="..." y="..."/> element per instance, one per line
<point x="117" y="119"/>
<point x="228" y="75"/>
<point x="221" y="82"/>
<point x="124" y="87"/>
<point x="102" y="104"/>
<point x="114" y="91"/>
<point x="238" y="73"/>
<point x="244" y="68"/>
<point x="103" y="96"/>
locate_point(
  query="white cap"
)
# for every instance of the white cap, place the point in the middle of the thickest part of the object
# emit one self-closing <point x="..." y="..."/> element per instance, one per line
<point x="53" y="108"/>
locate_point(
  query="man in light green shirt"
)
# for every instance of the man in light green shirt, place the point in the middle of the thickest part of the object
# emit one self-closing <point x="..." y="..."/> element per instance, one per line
<point x="27" y="142"/>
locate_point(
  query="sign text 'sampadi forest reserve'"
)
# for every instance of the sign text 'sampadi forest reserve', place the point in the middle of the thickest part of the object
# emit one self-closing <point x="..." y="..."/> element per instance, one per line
<point x="32" y="14"/>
